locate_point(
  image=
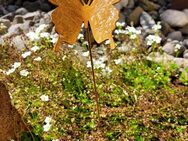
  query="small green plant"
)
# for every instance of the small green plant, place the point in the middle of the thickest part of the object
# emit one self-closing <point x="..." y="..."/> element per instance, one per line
<point x="145" y="75"/>
<point x="184" y="77"/>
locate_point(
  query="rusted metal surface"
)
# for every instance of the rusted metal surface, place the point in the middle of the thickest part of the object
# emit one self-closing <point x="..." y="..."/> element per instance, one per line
<point x="70" y="14"/>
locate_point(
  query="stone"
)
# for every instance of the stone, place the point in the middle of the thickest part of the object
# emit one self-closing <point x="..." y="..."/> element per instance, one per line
<point x="146" y="21"/>
<point x="45" y="7"/>
<point x="149" y="5"/>
<point x="185" y="43"/>
<point x="15" y="29"/>
<point x="31" y="6"/>
<point x="5" y="22"/>
<point x="166" y="28"/>
<point x="174" y="18"/>
<point x="9" y="16"/>
<point x="173" y="48"/>
<point x="21" y="11"/>
<point x="31" y="15"/>
<point x="185" y="11"/>
<point x="18" y="42"/>
<point x="175" y="35"/>
<point x="185" y="54"/>
<point x="134" y="17"/>
<point x="131" y="4"/>
<point x="179" y="4"/>
<point x="18" y="19"/>
<point x="184" y="30"/>
<point x="121" y="4"/>
<point x="167" y="59"/>
<point x="12" y="8"/>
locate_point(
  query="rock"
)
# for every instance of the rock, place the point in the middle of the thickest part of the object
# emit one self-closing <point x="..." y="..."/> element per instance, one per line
<point x="3" y="11"/>
<point x="184" y="30"/>
<point x="31" y="15"/>
<point x="175" y="35"/>
<point x="18" y="19"/>
<point x="121" y="4"/>
<point x="185" y="11"/>
<point x="154" y="14"/>
<point x="185" y="43"/>
<point x="21" y="11"/>
<point x="134" y="17"/>
<point x="185" y="54"/>
<point x="168" y="59"/>
<point x="9" y="16"/>
<point x="146" y="21"/>
<point x="15" y="29"/>
<point x="45" y="7"/>
<point x="31" y="6"/>
<point x="149" y="5"/>
<point x="131" y="4"/>
<point x="173" y="48"/>
<point x="18" y="42"/>
<point x="12" y="8"/>
<point x="5" y="22"/>
<point x="46" y="19"/>
<point x="166" y="28"/>
<point x="179" y="4"/>
<point x="174" y="18"/>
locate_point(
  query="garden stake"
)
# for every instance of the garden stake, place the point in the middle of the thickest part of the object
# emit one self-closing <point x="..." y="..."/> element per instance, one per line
<point x="93" y="71"/>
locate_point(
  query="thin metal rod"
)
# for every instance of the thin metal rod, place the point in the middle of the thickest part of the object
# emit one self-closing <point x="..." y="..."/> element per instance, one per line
<point x="93" y="72"/>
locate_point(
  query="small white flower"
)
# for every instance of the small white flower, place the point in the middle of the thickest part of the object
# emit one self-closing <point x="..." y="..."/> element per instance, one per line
<point x="10" y="71"/>
<point x="177" y="47"/>
<point x="48" y="120"/>
<point x="33" y="36"/>
<point x="44" y="35"/>
<point x="38" y="59"/>
<point x="85" y="43"/>
<point x="41" y="28"/>
<point x="46" y="127"/>
<point x="55" y="140"/>
<point x="54" y="38"/>
<point x="35" y="48"/>
<point x="24" y="73"/>
<point x="107" y="71"/>
<point x="133" y="36"/>
<point x="70" y="46"/>
<point x="118" y="61"/>
<point x="88" y="64"/>
<point x="85" y="54"/>
<point x="120" y="24"/>
<point x="44" y="98"/>
<point x="157" y="26"/>
<point x="16" y="65"/>
<point x="107" y="42"/>
<point x="26" y="54"/>
<point x="80" y="36"/>
<point x="151" y="39"/>
<point x="64" y="57"/>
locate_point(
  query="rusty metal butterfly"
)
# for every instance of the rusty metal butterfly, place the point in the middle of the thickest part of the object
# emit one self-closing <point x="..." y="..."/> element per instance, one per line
<point x="68" y="17"/>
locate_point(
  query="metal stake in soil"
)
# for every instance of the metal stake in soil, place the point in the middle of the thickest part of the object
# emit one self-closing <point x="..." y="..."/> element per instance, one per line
<point x="93" y="71"/>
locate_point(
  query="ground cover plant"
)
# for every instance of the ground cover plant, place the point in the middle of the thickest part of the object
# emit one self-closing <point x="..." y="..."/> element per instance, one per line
<point x="53" y="93"/>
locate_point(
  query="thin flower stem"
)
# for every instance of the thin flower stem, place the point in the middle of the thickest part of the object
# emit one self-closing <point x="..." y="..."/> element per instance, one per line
<point x="93" y="72"/>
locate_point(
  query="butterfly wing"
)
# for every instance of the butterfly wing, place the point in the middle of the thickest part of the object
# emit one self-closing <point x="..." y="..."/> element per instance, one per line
<point x="68" y="20"/>
<point x="103" y="19"/>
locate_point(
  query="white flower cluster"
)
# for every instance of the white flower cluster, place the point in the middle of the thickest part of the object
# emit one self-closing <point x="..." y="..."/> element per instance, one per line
<point x="157" y="26"/>
<point x="132" y="32"/>
<point x="24" y="73"/>
<point x="47" y="125"/>
<point x="39" y="33"/>
<point x="177" y="47"/>
<point x="44" y="98"/>
<point x="153" y="39"/>
<point x="100" y="64"/>
<point x="13" y="68"/>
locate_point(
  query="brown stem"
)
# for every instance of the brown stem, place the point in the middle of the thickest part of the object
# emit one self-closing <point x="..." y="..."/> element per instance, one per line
<point x="93" y="71"/>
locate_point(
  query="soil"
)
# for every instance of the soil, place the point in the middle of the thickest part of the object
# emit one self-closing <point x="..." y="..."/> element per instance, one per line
<point x="11" y="123"/>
